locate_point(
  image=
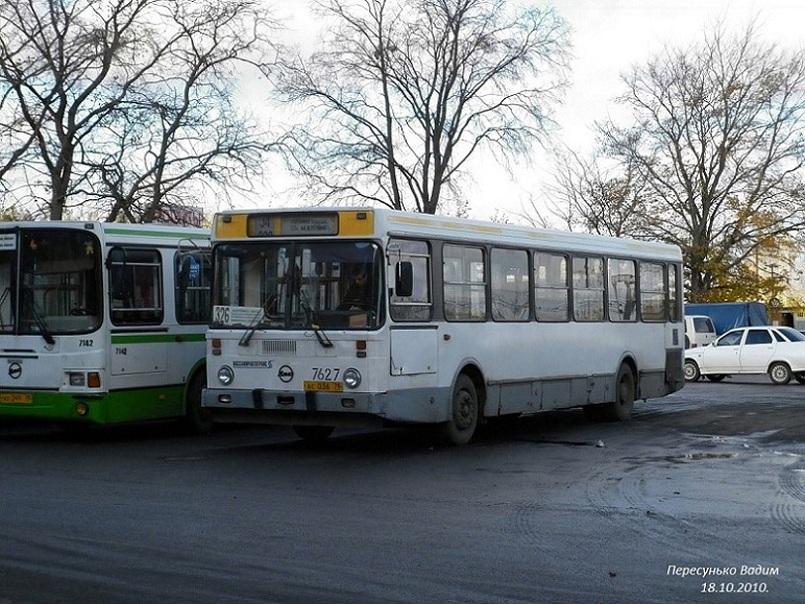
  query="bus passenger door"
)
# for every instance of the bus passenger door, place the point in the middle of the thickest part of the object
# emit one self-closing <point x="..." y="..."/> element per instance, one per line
<point x="139" y="356"/>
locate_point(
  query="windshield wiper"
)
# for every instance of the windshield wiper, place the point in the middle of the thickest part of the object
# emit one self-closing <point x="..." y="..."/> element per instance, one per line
<point x="310" y="316"/>
<point x="28" y="296"/>
<point x="253" y="325"/>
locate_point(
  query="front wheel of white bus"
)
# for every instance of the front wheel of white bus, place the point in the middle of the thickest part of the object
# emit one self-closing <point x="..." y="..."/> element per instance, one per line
<point x="313" y="434"/>
<point x="464" y="411"/>
<point x="196" y="420"/>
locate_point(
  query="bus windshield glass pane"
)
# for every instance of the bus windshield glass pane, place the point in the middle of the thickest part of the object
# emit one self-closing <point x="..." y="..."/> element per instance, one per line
<point x="59" y="283"/>
<point x="284" y="285"/>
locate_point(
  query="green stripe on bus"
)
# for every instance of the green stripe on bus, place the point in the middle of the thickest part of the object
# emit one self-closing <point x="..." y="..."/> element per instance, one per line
<point x="157" y="338"/>
<point x="102" y="408"/>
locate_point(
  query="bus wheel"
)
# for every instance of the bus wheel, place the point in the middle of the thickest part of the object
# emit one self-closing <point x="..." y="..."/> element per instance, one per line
<point x="780" y="373"/>
<point x="197" y="419"/>
<point x="464" y="410"/>
<point x="314" y="433"/>
<point x="625" y="391"/>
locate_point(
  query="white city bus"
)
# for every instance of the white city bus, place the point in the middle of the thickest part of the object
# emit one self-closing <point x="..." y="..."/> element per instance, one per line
<point x="463" y="321"/>
<point x="103" y="323"/>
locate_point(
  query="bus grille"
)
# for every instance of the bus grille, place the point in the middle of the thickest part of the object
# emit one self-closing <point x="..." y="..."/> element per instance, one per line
<point x="279" y="346"/>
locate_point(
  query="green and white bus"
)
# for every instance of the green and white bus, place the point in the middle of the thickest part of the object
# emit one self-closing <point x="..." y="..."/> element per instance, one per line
<point x="103" y="323"/>
<point x="459" y="321"/>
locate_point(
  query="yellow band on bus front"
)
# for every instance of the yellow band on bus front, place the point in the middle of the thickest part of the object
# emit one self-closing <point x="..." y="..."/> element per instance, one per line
<point x="231" y="226"/>
<point x="356" y="224"/>
<point x="349" y="223"/>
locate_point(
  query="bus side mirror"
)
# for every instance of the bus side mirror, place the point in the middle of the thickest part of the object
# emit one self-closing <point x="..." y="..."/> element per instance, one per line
<point x="404" y="279"/>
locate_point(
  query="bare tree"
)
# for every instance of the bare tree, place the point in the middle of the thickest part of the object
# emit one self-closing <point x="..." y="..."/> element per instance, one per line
<point x="126" y="103"/>
<point x="588" y="198"/>
<point x="406" y="92"/>
<point x="715" y="141"/>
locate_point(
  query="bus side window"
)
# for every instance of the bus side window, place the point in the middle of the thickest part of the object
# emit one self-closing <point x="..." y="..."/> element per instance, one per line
<point x="418" y="306"/>
<point x="588" y="288"/>
<point x="135" y="277"/>
<point x="509" y="281"/>
<point x="551" y="289"/>
<point x="192" y="296"/>
<point x="674" y="304"/>
<point x="652" y="291"/>
<point x="464" y="283"/>
<point x="621" y="290"/>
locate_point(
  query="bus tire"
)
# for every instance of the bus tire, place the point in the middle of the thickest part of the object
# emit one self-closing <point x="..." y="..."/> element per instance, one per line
<point x="196" y="419"/>
<point x="313" y="434"/>
<point x="464" y="411"/>
<point x="625" y="392"/>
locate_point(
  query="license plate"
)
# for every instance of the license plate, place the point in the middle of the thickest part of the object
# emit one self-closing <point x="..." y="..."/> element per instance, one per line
<point x="13" y="398"/>
<point x="324" y="386"/>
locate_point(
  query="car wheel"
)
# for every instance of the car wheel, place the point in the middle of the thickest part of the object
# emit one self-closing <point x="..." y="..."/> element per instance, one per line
<point x="716" y="377"/>
<point x="800" y="377"/>
<point x="780" y="373"/>
<point x="692" y="371"/>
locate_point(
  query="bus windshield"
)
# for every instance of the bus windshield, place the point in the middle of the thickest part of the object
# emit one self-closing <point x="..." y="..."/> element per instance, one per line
<point x="280" y="285"/>
<point x="50" y="282"/>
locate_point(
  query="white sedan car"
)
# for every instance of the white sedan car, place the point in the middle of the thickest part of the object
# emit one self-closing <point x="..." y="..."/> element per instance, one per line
<point x="778" y="351"/>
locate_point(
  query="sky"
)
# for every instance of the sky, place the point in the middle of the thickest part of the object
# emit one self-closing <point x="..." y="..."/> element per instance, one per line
<point x="608" y="37"/>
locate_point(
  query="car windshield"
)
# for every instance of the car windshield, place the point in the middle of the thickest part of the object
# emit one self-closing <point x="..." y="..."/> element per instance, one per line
<point x="281" y="285"/>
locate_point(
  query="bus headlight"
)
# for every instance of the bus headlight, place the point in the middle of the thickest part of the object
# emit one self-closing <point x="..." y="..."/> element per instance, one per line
<point x="352" y="378"/>
<point x="81" y="379"/>
<point x="225" y="375"/>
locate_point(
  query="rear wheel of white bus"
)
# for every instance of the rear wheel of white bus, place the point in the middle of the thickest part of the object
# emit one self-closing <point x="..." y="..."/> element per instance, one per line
<point x="625" y="390"/>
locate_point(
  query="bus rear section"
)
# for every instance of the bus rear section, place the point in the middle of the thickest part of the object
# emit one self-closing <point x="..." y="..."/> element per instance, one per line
<point x="98" y="325"/>
<point x="460" y="321"/>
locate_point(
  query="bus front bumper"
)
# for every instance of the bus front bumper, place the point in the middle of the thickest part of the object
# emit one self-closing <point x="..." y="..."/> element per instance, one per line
<point x="334" y="408"/>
